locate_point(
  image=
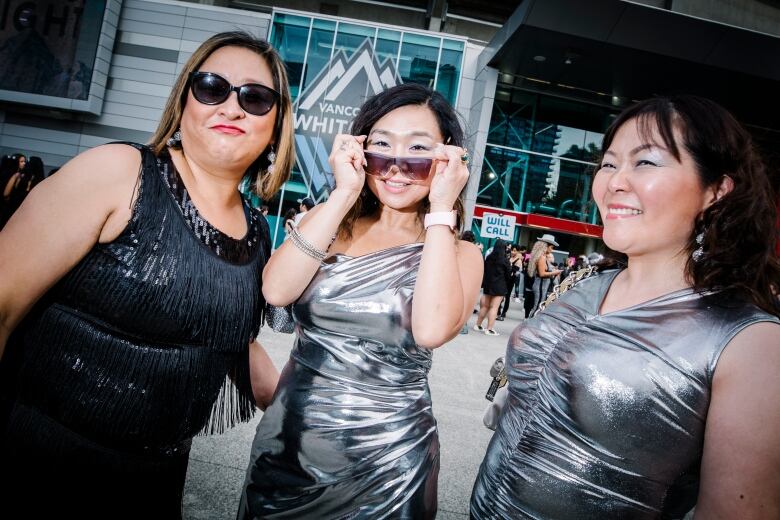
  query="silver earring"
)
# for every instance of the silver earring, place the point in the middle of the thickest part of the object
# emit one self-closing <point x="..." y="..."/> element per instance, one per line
<point x="271" y="160"/>
<point x="174" y="141"/>
<point x="698" y="253"/>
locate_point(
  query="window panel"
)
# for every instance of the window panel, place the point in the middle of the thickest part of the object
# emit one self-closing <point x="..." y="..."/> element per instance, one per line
<point x="419" y="56"/>
<point x="386" y="46"/>
<point x="289" y="35"/>
<point x="320" y="48"/>
<point x="351" y="36"/>
<point x="450" y="65"/>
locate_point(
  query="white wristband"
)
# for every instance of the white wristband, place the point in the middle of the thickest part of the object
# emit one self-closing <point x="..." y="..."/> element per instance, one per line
<point x="443" y="218"/>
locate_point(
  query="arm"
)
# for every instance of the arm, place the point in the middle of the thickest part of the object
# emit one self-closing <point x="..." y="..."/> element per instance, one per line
<point x="59" y="222"/>
<point x="541" y="269"/>
<point x="289" y="270"/>
<point x="9" y="186"/>
<point x="450" y="272"/>
<point x="740" y="470"/>
<point x="263" y="375"/>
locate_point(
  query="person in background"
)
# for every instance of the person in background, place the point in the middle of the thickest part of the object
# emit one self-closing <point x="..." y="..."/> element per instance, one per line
<point x="516" y="265"/>
<point x="652" y="386"/>
<point x="495" y="285"/>
<point x="13" y="189"/>
<point x="304" y="205"/>
<point x="519" y="280"/>
<point x="264" y="210"/>
<point x="350" y="432"/>
<point x="469" y="236"/>
<point x="130" y="296"/>
<point x="289" y="221"/>
<point x="541" y="272"/>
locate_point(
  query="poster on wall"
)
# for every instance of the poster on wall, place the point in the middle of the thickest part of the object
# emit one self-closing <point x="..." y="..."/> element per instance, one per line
<point x="48" y="47"/>
<point x="328" y="105"/>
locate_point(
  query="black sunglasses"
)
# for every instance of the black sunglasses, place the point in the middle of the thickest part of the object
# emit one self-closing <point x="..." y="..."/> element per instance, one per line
<point x="212" y="89"/>
<point x="414" y="168"/>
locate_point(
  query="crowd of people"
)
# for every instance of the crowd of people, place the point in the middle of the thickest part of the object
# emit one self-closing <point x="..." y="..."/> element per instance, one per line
<point x="135" y="281"/>
<point x="18" y="176"/>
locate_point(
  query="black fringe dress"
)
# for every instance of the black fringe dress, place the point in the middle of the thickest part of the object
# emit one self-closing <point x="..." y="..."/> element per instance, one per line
<point x="140" y="347"/>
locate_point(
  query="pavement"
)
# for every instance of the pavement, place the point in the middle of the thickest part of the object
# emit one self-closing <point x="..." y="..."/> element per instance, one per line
<point x="458" y="380"/>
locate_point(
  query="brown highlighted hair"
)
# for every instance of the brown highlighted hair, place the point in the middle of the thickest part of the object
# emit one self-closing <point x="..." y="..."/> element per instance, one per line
<point x="378" y="106"/>
<point x="265" y="184"/>
<point x="740" y="229"/>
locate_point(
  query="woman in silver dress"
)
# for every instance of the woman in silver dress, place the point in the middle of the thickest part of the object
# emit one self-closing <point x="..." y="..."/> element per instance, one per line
<point x="650" y="388"/>
<point x="350" y="431"/>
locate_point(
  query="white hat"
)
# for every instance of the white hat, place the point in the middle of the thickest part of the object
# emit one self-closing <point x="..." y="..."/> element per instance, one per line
<point x="549" y="239"/>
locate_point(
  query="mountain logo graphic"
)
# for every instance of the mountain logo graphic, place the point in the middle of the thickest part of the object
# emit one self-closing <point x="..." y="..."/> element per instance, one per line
<point x="328" y="105"/>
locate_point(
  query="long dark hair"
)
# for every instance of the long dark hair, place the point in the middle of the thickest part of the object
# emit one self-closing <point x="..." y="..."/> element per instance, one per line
<point x="740" y="229"/>
<point x="374" y="109"/>
<point x="498" y="254"/>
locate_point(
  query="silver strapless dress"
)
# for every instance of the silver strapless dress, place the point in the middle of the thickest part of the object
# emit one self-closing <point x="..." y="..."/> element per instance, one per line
<point x="605" y="414"/>
<point x="350" y="432"/>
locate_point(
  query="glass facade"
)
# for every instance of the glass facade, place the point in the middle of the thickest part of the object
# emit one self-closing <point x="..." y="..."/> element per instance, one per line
<point x="312" y="46"/>
<point x="540" y="155"/>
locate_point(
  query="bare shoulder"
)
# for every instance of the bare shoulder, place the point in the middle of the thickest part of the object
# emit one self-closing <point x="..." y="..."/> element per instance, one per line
<point x="99" y="182"/>
<point x="103" y="165"/>
<point x="754" y="348"/>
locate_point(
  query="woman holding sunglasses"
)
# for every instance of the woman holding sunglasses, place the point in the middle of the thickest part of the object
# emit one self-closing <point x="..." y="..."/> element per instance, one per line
<point x="131" y="293"/>
<point x="379" y="280"/>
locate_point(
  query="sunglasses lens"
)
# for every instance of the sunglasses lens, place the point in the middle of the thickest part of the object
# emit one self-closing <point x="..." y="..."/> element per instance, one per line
<point x="210" y="89"/>
<point x="377" y="164"/>
<point x="416" y="169"/>
<point x="256" y="99"/>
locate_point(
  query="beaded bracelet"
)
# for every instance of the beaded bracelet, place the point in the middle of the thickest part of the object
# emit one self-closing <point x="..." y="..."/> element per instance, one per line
<point x="305" y="246"/>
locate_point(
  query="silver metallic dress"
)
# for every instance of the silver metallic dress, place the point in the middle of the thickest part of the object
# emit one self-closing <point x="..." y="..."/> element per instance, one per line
<point x="350" y="432"/>
<point x="605" y="414"/>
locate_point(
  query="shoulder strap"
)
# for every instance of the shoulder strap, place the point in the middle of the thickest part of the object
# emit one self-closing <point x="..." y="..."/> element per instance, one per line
<point x="567" y="284"/>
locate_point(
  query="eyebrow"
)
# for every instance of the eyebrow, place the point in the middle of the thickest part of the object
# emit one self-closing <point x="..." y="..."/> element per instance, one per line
<point x="413" y="133"/>
<point x="638" y="149"/>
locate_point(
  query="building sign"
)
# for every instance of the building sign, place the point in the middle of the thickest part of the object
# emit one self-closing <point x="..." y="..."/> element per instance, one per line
<point x="498" y="225"/>
<point x="48" y="46"/>
<point x="328" y="105"/>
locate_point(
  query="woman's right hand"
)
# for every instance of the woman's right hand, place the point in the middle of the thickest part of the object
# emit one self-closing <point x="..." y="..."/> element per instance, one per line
<point x="347" y="161"/>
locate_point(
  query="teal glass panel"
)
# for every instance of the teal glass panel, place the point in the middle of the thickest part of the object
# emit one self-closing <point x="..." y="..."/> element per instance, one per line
<point x="511" y="122"/>
<point x="320" y="48"/>
<point x="289" y="34"/>
<point x="419" y="58"/>
<point x="386" y="45"/>
<point x="450" y="65"/>
<point x="351" y="36"/>
<point x="537" y="184"/>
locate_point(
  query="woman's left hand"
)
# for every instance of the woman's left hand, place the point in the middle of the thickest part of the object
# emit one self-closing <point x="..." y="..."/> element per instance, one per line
<point x="450" y="177"/>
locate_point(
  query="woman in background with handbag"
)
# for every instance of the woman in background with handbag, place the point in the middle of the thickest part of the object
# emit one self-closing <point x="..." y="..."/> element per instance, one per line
<point x="350" y="432"/>
<point x="650" y="388"/>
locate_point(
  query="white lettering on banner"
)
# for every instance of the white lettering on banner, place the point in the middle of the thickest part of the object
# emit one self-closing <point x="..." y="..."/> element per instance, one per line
<point x="496" y="225"/>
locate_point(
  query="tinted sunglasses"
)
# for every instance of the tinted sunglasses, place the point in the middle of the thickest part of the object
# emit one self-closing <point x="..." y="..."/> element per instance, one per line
<point x="212" y="89"/>
<point x="414" y="168"/>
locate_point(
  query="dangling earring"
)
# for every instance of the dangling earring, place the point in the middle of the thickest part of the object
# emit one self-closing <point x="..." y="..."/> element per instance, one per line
<point x="698" y="253"/>
<point x="174" y="141"/>
<point x="271" y="159"/>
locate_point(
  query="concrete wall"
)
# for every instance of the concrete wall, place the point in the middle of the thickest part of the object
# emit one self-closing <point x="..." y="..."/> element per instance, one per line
<point x="478" y="91"/>
<point x="154" y="38"/>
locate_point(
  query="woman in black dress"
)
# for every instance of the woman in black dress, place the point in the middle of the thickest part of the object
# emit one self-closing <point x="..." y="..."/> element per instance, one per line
<point x="495" y="285"/>
<point x="130" y="296"/>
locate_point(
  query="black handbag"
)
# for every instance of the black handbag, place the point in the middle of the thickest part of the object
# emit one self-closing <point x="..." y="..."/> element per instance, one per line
<point x="280" y="319"/>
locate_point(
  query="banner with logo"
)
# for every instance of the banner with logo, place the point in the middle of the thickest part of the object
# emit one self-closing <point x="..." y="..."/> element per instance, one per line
<point x="328" y="105"/>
